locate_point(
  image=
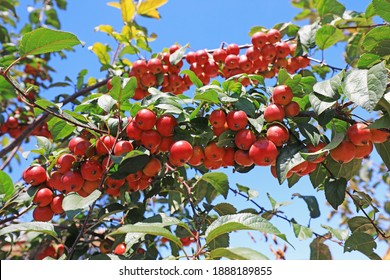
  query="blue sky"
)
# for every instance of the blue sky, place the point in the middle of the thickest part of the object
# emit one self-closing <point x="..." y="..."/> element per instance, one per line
<point x="206" y="24"/>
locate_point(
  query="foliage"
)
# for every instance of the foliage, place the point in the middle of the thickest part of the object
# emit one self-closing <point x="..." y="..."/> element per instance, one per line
<point x="130" y="158"/>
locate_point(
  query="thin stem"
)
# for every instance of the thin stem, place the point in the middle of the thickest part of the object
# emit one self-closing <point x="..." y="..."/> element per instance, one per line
<point x="362" y="26"/>
<point x="72" y="249"/>
<point x="10" y="80"/>
<point x="377" y="229"/>
<point x="323" y="63"/>
<point x="9" y="219"/>
<point x="10" y="157"/>
<point x="27" y="131"/>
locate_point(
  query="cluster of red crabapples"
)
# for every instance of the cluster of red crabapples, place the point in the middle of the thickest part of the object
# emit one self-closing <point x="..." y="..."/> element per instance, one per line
<point x="265" y="57"/>
<point x="18" y="122"/>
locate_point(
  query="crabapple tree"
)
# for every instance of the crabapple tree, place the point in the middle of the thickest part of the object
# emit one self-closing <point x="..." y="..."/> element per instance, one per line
<point x="134" y="164"/>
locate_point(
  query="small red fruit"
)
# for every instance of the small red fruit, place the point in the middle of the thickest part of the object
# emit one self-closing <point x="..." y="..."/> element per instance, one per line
<point x="273" y="112"/>
<point x="151" y="139"/>
<point x="263" y="152"/>
<point x="91" y="170"/>
<point x="219" y="55"/>
<point x="56" y="204"/>
<point x="165" y="125"/>
<point x="244" y="139"/>
<point x="197" y="157"/>
<point x="259" y="39"/>
<point x="217" y="118"/>
<point x="343" y="153"/>
<point x="236" y="120"/>
<point x="180" y="152"/>
<point x="43" y="197"/>
<point x="34" y="175"/>
<point x="123" y="147"/>
<point x="364" y="150"/>
<point x="65" y="162"/>
<point x="152" y="168"/>
<point x="278" y="134"/>
<point x="359" y="134"/>
<point x="72" y="181"/>
<point x="120" y="249"/>
<point x="43" y="214"/>
<point x="145" y="119"/>
<point x="379" y="136"/>
<point x="292" y="109"/>
<point x="282" y="95"/>
<point x="273" y="36"/>
<point x="242" y="158"/>
<point x="213" y="152"/>
<point x="132" y="131"/>
<point x="105" y="144"/>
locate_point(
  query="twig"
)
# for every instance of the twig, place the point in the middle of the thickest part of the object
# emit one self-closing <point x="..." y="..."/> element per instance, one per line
<point x="377" y="229"/>
<point x="17" y="141"/>
<point x="10" y="157"/>
<point x="325" y="64"/>
<point x="362" y="26"/>
<point x="9" y="219"/>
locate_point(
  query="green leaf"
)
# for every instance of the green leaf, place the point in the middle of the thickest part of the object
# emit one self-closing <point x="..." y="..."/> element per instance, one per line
<point x="218" y="180"/>
<point x="229" y="223"/>
<point x="73" y="203"/>
<point x="368" y="60"/>
<point x="123" y="88"/>
<point x="131" y="163"/>
<point x="59" y="129"/>
<point x="307" y="35"/>
<point x="101" y="52"/>
<point x="224" y="209"/>
<point x="383" y="150"/>
<point x="194" y="79"/>
<point x="330" y="88"/>
<point x="6" y="186"/>
<point x="287" y="28"/>
<point x="207" y="94"/>
<point x="318" y="176"/>
<point x="245" y="105"/>
<point x="221" y="241"/>
<point x="177" y="56"/>
<point x="312" y="204"/>
<point x="250" y="192"/>
<point x="377" y="41"/>
<point x="330" y="7"/>
<point x="46" y="228"/>
<point x="345" y="170"/>
<point x="156" y="229"/>
<point x="45" y="40"/>
<point x="335" y="191"/>
<point x="366" y="87"/>
<point x="238" y="253"/>
<point x="302" y="232"/>
<point x="257" y="123"/>
<point x="319" y="250"/>
<point x="340" y="234"/>
<point x="361" y="224"/>
<point x="287" y="158"/>
<point x="310" y="132"/>
<point x="327" y="36"/>
<point x="360" y="241"/>
<point x="44" y="143"/>
<point x="106" y="102"/>
<point x="320" y="105"/>
<point x="382" y="8"/>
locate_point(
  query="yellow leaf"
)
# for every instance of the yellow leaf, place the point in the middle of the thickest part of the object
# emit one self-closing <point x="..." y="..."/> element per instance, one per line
<point x="105" y="28"/>
<point x="149" y="8"/>
<point x="114" y="4"/>
<point x="128" y="10"/>
<point x="102" y="53"/>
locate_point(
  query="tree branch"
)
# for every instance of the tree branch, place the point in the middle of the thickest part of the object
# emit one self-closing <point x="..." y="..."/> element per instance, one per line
<point x="44" y="116"/>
